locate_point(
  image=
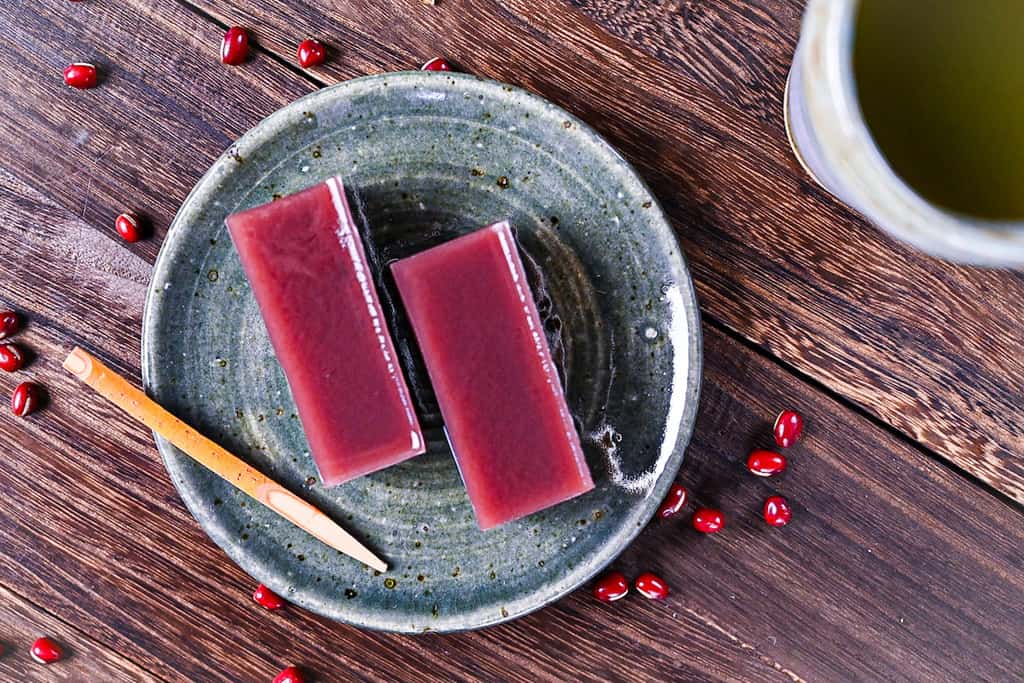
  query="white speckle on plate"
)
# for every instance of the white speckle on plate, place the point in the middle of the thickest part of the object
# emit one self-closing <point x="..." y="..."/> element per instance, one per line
<point x="650" y="333"/>
<point x="305" y="169"/>
<point x="433" y="95"/>
<point x="480" y="145"/>
<point x="605" y="436"/>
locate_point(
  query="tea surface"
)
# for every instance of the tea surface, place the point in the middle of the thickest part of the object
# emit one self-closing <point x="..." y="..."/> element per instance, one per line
<point x="941" y="87"/>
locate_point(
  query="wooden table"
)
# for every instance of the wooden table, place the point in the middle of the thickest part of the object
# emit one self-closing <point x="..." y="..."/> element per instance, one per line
<point x="904" y="559"/>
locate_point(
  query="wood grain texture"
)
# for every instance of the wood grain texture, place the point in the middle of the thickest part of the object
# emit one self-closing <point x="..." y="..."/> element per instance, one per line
<point x="692" y="93"/>
<point x="165" y="108"/>
<point x="741" y="48"/>
<point x="875" y="579"/>
<point x="21" y="623"/>
<point x="894" y="568"/>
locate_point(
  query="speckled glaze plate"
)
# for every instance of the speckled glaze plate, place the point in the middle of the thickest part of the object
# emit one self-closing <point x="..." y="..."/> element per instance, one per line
<point x="428" y="156"/>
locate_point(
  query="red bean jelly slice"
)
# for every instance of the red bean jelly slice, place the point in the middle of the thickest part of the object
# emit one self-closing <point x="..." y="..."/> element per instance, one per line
<point x="489" y="362"/>
<point x="308" y="270"/>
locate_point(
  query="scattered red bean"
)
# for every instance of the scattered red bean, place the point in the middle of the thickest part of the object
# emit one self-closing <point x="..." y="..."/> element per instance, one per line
<point x="12" y="358"/>
<point x="267" y="597"/>
<point x="651" y="586"/>
<point x="80" y="75"/>
<point x="674" y="501"/>
<point x="26" y="399"/>
<point x="45" y="651"/>
<point x="611" y="587"/>
<point x="708" y="520"/>
<point x="10" y="323"/>
<point x="290" y="674"/>
<point x="777" y="511"/>
<point x="127" y="226"/>
<point x="437" y="64"/>
<point x="235" y="46"/>
<point x="788" y="427"/>
<point x="311" y="53"/>
<point x="766" y="463"/>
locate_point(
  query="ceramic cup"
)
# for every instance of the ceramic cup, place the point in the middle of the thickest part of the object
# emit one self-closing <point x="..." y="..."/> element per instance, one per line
<point x="832" y="142"/>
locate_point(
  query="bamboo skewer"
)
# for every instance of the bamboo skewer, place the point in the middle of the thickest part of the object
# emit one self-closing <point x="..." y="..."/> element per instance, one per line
<point x="133" y="401"/>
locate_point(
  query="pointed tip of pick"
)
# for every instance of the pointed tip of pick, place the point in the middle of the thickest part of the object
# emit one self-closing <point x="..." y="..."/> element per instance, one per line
<point x="77" y="362"/>
<point x="374" y="562"/>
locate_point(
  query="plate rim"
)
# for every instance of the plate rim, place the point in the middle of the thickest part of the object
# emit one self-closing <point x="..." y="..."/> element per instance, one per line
<point x="266" y="128"/>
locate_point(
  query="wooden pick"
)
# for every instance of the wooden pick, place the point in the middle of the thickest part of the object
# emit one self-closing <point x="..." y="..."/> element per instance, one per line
<point x="133" y="401"/>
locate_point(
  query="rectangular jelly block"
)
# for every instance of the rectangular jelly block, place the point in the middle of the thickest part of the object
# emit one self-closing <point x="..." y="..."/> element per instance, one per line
<point x="307" y="267"/>
<point x="489" y="362"/>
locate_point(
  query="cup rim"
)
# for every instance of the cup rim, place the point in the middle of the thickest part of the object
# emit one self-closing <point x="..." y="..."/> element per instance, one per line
<point x="876" y="189"/>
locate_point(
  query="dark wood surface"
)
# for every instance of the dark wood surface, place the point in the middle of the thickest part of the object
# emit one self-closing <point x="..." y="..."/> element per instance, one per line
<point x="904" y="560"/>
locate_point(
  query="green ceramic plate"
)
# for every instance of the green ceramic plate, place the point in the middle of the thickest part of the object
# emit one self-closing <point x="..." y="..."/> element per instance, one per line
<point x="429" y="156"/>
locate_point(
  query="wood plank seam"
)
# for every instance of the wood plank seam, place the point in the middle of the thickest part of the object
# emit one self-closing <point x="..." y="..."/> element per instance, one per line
<point x="859" y="410"/>
<point x="743" y="645"/>
<point x="255" y="46"/>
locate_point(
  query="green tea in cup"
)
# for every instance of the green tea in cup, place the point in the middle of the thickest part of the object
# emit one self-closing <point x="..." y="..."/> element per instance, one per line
<point x="941" y="88"/>
<point x="912" y="112"/>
